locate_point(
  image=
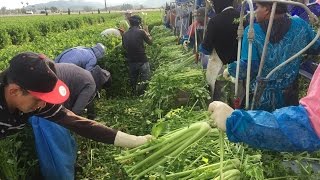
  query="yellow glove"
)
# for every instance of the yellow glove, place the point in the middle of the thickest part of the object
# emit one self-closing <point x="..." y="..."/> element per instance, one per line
<point x="130" y="141"/>
<point x="220" y="112"/>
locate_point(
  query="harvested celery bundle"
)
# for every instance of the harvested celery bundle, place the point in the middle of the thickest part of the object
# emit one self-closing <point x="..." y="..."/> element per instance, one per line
<point x="139" y="161"/>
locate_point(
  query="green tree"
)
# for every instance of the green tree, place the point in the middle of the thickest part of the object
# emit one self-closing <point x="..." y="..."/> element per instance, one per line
<point x="3" y="10"/>
<point x="126" y="7"/>
<point x="54" y="9"/>
<point x="87" y="8"/>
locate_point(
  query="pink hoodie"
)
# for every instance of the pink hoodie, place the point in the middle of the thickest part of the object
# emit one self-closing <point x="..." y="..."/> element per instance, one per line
<point x="312" y="101"/>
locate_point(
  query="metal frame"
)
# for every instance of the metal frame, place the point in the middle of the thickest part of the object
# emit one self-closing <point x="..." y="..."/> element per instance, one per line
<point x="312" y="18"/>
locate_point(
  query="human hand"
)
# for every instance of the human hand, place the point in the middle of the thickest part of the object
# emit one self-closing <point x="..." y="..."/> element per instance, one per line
<point x="146" y="28"/>
<point x="227" y="76"/>
<point x="220" y="112"/>
<point x="226" y="73"/>
<point x="186" y="44"/>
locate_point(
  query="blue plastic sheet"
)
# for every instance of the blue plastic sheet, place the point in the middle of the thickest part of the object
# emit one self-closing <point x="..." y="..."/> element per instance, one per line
<point x="56" y="149"/>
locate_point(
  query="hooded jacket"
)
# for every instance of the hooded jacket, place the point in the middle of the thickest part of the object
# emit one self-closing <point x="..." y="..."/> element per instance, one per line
<point x="84" y="57"/>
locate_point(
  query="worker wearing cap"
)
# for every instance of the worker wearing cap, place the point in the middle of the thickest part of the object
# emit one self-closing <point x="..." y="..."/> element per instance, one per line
<point x="133" y="42"/>
<point x="30" y="87"/>
<point x="291" y="128"/>
<point x="84" y="57"/>
<point x="56" y="148"/>
<point x="87" y="58"/>
<point x="123" y="25"/>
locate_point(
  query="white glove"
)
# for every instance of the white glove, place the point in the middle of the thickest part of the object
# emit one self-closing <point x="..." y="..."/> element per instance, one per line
<point x="227" y="76"/>
<point x="226" y="73"/>
<point x="185" y="44"/>
<point x="130" y="141"/>
<point x="220" y="112"/>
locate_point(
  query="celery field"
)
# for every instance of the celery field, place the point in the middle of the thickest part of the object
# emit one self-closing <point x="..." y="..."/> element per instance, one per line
<point x="173" y="109"/>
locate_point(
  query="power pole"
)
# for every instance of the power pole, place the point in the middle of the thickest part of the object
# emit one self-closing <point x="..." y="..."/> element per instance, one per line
<point x="105" y="5"/>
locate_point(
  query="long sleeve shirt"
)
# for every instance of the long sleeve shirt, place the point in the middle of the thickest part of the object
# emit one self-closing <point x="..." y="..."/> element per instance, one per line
<point x="12" y="122"/>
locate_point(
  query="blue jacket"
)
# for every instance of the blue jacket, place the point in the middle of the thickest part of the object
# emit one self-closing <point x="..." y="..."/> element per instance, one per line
<point x="80" y="56"/>
<point x="298" y="36"/>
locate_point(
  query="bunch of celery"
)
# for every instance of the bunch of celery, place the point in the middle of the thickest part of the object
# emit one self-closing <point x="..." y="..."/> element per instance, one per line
<point x="139" y="161"/>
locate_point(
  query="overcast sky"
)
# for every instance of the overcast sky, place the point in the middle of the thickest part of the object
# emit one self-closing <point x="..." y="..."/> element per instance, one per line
<point x="11" y="4"/>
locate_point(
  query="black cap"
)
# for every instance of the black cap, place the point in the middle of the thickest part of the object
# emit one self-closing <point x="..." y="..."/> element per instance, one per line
<point x="35" y="73"/>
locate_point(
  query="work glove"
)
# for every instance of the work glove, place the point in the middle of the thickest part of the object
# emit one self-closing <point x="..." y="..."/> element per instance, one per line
<point x="130" y="141"/>
<point x="186" y="44"/>
<point x="220" y="112"/>
<point x="227" y="76"/>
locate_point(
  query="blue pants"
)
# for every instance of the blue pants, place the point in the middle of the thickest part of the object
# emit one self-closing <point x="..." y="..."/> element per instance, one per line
<point x="56" y="149"/>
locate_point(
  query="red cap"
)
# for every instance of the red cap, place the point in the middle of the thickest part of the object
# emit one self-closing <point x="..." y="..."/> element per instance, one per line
<point x="36" y="73"/>
<point x="58" y="95"/>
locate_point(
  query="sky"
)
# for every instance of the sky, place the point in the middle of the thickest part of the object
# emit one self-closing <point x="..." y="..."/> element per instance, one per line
<point x="12" y="4"/>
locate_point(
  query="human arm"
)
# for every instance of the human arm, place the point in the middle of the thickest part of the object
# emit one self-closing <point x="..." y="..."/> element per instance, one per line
<point x="286" y="129"/>
<point x="89" y="128"/>
<point x="147" y="37"/>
